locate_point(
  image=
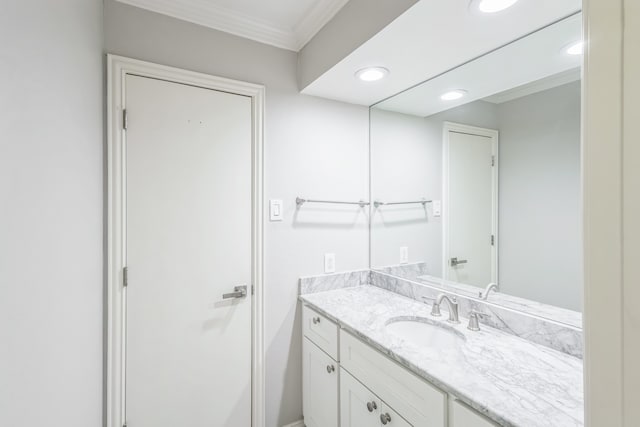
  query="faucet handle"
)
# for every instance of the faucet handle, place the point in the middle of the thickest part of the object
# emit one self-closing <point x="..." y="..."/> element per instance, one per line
<point x="435" y="309"/>
<point x="474" y="323"/>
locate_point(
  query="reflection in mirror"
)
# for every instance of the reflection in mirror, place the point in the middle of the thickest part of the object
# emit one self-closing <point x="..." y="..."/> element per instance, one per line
<point x="493" y="147"/>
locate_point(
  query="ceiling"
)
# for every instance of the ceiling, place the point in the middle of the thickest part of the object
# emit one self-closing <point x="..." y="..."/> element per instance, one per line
<point x="430" y="38"/>
<point x="287" y="24"/>
<point x="531" y="64"/>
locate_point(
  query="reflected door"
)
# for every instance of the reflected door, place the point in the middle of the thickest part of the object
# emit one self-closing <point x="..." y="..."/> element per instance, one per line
<point x="470" y="205"/>
<point x="188" y="182"/>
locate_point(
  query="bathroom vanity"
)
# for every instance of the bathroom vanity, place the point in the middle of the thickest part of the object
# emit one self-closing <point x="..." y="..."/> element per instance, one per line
<point x="372" y="357"/>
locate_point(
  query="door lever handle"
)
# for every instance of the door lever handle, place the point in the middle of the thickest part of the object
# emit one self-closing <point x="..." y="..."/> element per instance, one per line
<point x="456" y="261"/>
<point x="238" y="292"/>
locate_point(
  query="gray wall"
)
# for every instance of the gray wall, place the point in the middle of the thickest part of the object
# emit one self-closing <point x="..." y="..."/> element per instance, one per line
<point x="313" y="147"/>
<point x="539" y="213"/>
<point x="540" y="228"/>
<point x="51" y="229"/>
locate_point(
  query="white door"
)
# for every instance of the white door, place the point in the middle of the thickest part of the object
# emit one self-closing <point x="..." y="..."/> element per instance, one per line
<point x="359" y="407"/>
<point x="188" y="241"/>
<point x="471" y="210"/>
<point x="320" y="387"/>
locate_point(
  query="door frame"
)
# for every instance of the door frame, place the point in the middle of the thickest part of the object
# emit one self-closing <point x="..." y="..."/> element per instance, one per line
<point x="118" y="68"/>
<point x="472" y="130"/>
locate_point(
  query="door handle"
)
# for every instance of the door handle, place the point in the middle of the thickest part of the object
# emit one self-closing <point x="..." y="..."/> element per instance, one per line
<point x="238" y="292"/>
<point x="385" y="418"/>
<point x="455" y="261"/>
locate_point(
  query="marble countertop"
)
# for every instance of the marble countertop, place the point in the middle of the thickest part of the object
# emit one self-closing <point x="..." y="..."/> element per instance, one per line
<point x="510" y="380"/>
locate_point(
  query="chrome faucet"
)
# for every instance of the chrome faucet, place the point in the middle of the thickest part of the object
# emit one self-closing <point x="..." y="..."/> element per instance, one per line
<point x="453" y="307"/>
<point x="485" y="294"/>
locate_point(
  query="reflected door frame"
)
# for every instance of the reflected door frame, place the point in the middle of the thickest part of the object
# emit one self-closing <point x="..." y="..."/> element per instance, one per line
<point x="449" y="127"/>
<point x="117" y="69"/>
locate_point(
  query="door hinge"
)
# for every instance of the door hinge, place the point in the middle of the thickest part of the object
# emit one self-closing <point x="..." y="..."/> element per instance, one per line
<point x="125" y="119"/>
<point x="493" y="160"/>
<point x="493" y="240"/>
<point x="125" y="280"/>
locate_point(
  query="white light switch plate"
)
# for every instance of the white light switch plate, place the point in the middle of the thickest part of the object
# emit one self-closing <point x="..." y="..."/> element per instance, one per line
<point x="329" y="263"/>
<point x="275" y="210"/>
<point x="404" y="255"/>
<point x="437" y="208"/>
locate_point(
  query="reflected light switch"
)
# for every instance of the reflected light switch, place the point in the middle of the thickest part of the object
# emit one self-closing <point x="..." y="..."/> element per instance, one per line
<point x="437" y="208"/>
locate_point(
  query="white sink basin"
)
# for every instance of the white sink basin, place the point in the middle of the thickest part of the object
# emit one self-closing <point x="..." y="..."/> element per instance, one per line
<point x="425" y="333"/>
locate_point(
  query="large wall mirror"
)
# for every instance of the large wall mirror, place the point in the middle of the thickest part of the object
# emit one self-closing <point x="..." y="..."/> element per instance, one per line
<point x="475" y="175"/>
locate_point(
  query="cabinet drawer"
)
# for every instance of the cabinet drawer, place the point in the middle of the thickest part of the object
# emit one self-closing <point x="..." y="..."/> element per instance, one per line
<point x="322" y="331"/>
<point x="359" y="407"/>
<point x="460" y="415"/>
<point x="420" y="403"/>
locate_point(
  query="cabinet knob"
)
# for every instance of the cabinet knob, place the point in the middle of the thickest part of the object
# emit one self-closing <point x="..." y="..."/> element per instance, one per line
<point x="371" y="406"/>
<point x="385" y="418"/>
<point x="330" y="368"/>
<point x="316" y="320"/>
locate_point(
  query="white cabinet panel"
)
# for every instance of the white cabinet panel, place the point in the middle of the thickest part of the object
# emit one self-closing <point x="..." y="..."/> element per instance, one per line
<point x="322" y="331"/>
<point x="460" y="415"/>
<point x="419" y="402"/>
<point x="358" y="406"/>
<point x="320" y="387"/>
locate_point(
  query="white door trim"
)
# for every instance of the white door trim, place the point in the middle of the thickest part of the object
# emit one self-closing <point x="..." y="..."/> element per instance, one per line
<point x="472" y="130"/>
<point x="118" y="68"/>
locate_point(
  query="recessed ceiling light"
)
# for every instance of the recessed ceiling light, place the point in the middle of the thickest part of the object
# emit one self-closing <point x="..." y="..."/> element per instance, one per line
<point x="372" y="74"/>
<point x="575" y="48"/>
<point x="493" y="6"/>
<point x="453" y="95"/>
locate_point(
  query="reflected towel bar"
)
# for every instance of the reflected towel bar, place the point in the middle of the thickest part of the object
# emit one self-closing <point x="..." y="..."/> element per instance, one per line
<point x="300" y="201"/>
<point x="379" y="203"/>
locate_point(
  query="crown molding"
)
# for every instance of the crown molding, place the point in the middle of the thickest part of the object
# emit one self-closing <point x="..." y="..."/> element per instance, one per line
<point x="208" y="14"/>
<point x="316" y="18"/>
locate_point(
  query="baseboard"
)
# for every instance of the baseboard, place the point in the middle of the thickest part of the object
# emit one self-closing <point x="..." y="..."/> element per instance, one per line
<point x="296" y="424"/>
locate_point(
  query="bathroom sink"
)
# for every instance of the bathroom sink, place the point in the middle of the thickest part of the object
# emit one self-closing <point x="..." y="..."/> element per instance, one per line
<point x="426" y="333"/>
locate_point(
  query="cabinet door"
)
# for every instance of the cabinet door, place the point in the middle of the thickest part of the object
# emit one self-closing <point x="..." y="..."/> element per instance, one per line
<point x="388" y="417"/>
<point x="320" y="387"/>
<point x="358" y="406"/>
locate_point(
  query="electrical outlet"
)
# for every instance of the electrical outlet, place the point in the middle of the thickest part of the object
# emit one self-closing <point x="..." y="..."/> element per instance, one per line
<point x="404" y="255"/>
<point x="329" y="263"/>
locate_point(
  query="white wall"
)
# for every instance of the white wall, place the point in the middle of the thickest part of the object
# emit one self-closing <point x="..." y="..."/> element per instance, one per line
<point x="539" y="213"/>
<point x="51" y="229"/>
<point x="313" y="147"/>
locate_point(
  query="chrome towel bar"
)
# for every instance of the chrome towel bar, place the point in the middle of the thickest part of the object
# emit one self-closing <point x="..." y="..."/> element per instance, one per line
<point x="379" y="203"/>
<point x="300" y="201"/>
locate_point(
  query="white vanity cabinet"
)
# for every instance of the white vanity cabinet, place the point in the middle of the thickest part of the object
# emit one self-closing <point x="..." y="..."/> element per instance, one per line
<point x="348" y="383"/>
<point x="320" y="370"/>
